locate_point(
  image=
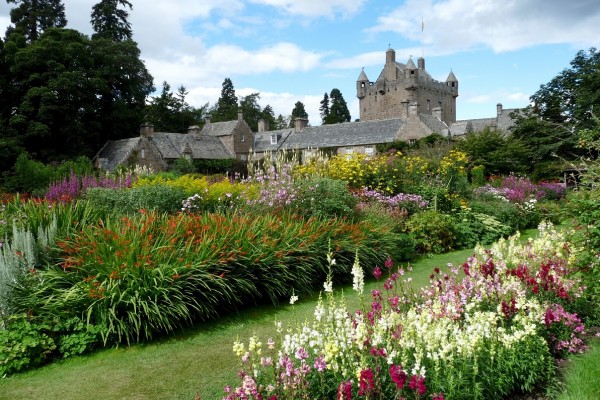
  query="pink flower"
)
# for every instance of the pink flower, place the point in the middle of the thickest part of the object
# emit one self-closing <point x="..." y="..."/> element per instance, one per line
<point x="301" y="354"/>
<point x="417" y="383"/>
<point x="438" y="396"/>
<point x="389" y="263"/>
<point x="320" y="364"/>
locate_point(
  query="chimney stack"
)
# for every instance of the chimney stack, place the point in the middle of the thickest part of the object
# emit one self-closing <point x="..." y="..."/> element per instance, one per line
<point x="240" y="115"/>
<point x="499" y="109"/>
<point x="146" y="130"/>
<point x="194" y="129"/>
<point x="300" y="124"/>
<point x="421" y="63"/>
<point x="263" y="125"/>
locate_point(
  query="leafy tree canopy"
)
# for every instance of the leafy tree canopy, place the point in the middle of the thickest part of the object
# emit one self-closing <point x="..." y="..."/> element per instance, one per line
<point x="298" y="112"/>
<point x="170" y="112"/>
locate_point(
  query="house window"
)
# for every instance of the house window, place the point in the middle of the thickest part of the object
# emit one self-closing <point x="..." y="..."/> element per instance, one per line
<point x="412" y="142"/>
<point x="273" y="139"/>
<point x="242" y="138"/>
<point x="369" y="150"/>
<point x="349" y="150"/>
<point x="243" y="157"/>
<point x="143" y="153"/>
<point x="428" y="104"/>
<point x="187" y="156"/>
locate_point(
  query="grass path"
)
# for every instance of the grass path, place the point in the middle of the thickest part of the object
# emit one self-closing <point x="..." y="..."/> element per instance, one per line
<point x="199" y="359"/>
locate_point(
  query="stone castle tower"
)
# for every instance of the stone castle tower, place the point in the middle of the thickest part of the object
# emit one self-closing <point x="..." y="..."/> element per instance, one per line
<point x="406" y="89"/>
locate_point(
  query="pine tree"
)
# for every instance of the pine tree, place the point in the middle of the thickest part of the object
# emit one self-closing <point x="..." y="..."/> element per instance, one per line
<point x="324" y="109"/>
<point x="227" y="106"/>
<point x="110" y="22"/>
<point x="33" y="17"/>
<point x="298" y="112"/>
<point x="338" y="111"/>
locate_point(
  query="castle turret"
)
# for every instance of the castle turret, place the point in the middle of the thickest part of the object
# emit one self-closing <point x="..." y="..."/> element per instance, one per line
<point x="453" y="83"/>
<point x="362" y="83"/>
<point x="411" y="74"/>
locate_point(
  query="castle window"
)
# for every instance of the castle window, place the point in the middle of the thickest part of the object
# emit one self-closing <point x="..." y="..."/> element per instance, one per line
<point x="362" y="84"/>
<point x="428" y="104"/>
<point x="273" y="139"/>
<point x="412" y="72"/>
<point x="242" y="138"/>
<point x="143" y="153"/>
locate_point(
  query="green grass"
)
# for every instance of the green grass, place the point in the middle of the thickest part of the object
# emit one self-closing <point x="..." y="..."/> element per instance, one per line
<point x="581" y="379"/>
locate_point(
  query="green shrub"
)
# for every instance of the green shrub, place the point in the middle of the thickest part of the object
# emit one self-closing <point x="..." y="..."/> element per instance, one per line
<point x="433" y="231"/>
<point x="324" y="197"/>
<point x="478" y="176"/>
<point x="23" y="345"/>
<point x="31" y="176"/>
<point x="28" y="342"/>
<point x="161" y="198"/>
<point x="476" y="228"/>
<point x="506" y="213"/>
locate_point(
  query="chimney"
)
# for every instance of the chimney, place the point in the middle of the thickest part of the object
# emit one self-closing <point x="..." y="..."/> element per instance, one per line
<point x="437" y="112"/>
<point x="194" y="129"/>
<point x="263" y="125"/>
<point x="146" y="130"/>
<point x="421" y="63"/>
<point x="240" y="115"/>
<point x="300" y="124"/>
<point x="207" y="120"/>
<point x="499" y="109"/>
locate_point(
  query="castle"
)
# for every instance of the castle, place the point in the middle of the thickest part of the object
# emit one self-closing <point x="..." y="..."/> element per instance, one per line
<point x="402" y="86"/>
<point x="404" y="104"/>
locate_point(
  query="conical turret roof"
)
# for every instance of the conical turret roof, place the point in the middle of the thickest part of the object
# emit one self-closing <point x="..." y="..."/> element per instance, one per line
<point x="451" y="77"/>
<point x="362" y="76"/>
<point x="410" y="64"/>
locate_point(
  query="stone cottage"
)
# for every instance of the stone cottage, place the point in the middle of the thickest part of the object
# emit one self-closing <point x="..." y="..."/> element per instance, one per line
<point x="159" y="150"/>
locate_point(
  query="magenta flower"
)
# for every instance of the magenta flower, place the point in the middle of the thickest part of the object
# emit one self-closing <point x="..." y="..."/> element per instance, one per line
<point x="377" y="273"/>
<point x="398" y="376"/>
<point x="345" y="391"/>
<point x="366" y="383"/>
<point x="389" y="263"/>
<point x="417" y="383"/>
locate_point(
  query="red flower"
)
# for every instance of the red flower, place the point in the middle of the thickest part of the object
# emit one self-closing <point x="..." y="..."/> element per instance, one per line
<point x="417" y="383"/>
<point x="377" y="273"/>
<point x="345" y="391"/>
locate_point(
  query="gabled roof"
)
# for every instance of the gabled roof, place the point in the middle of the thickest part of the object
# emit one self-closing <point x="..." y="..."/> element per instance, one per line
<point x="262" y="140"/>
<point x="116" y="152"/>
<point x="219" y="128"/>
<point x="172" y="145"/>
<point x="434" y="124"/>
<point x="460" y="128"/>
<point x="345" y="134"/>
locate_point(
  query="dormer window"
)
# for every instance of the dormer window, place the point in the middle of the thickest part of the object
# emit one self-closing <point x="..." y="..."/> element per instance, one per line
<point x="273" y="139"/>
<point x="242" y="138"/>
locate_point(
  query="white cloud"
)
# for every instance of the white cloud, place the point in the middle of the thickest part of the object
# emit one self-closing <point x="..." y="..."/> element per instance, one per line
<point x="459" y="25"/>
<point x="315" y="8"/>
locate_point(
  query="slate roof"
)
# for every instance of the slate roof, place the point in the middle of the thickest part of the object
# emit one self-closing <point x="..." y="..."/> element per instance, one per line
<point x="345" y="134"/>
<point x="434" y="124"/>
<point x="173" y="145"/>
<point x="460" y="128"/>
<point x="219" y="128"/>
<point x="262" y="140"/>
<point x="116" y="152"/>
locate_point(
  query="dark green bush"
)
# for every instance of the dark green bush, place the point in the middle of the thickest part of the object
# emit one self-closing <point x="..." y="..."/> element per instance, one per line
<point x="161" y="198"/>
<point x="433" y="231"/>
<point x="324" y="197"/>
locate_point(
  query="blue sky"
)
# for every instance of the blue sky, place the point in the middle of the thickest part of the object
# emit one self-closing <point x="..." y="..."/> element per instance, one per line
<point x="501" y="51"/>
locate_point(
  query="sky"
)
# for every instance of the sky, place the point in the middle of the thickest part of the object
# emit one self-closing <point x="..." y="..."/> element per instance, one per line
<point x="501" y="51"/>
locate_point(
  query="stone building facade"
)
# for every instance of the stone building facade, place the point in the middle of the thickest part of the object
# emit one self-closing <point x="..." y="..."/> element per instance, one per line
<point x="400" y="86"/>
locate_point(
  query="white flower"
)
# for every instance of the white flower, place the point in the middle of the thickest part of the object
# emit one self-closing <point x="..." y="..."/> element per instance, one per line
<point x="358" y="280"/>
<point x="293" y="299"/>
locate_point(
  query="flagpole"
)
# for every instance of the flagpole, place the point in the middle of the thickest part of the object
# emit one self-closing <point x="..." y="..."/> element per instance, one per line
<point x="422" y="40"/>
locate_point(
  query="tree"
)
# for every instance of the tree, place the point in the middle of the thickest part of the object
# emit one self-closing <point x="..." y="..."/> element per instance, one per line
<point x="227" y="107"/>
<point x="33" y="17"/>
<point x="497" y="153"/>
<point x="170" y="112"/>
<point x="251" y="110"/>
<point x="110" y="22"/>
<point x="324" y="108"/>
<point x="570" y="96"/>
<point x="298" y="112"/>
<point x="269" y="116"/>
<point x="338" y="110"/>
